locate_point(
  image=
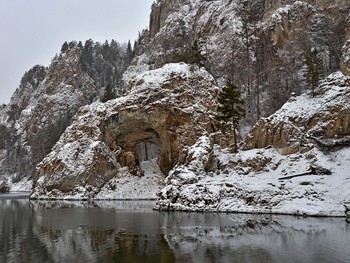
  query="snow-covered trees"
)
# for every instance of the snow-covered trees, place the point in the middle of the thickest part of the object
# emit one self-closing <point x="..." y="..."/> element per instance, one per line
<point x="104" y="63"/>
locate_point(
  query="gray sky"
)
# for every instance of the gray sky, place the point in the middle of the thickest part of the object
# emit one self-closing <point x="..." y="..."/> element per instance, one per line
<point x="33" y="31"/>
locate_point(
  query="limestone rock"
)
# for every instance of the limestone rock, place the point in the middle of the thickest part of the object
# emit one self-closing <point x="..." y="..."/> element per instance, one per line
<point x="307" y="120"/>
<point x="345" y="65"/>
<point x="166" y="110"/>
<point x="283" y="30"/>
<point x="41" y="111"/>
<point x="47" y="98"/>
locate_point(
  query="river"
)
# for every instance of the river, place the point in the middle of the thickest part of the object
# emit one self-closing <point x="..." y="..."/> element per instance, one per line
<point x="130" y="231"/>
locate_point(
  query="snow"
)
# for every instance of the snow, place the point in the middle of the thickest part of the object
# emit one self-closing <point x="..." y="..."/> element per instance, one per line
<point x="153" y="79"/>
<point x="241" y="189"/>
<point x="133" y="187"/>
<point x="289" y="9"/>
<point x="305" y="108"/>
<point x="248" y="181"/>
<point x="123" y="187"/>
<point x="346" y="51"/>
<point x="23" y="185"/>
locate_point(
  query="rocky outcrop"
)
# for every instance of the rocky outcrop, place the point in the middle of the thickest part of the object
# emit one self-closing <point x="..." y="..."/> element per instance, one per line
<point x="261" y="45"/>
<point x="249" y="182"/>
<point x="307" y="120"/>
<point x="26" y="90"/>
<point x="345" y="64"/>
<point x="159" y="14"/>
<point x="41" y="112"/>
<point x="47" y="98"/>
<point x="163" y="113"/>
<point x="300" y="167"/>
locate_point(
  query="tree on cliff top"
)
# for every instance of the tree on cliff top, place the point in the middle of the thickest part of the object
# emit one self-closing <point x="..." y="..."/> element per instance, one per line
<point x="230" y="110"/>
<point x="64" y="47"/>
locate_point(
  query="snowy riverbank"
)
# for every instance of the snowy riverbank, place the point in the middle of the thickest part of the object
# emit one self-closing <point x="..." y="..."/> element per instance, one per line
<point x="248" y="182"/>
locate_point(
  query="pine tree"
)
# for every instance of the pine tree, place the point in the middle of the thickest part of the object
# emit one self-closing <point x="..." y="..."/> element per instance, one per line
<point x="129" y="52"/>
<point x="195" y="55"/>
<point x="230" y="110"/>
<point x="87" y="56"/>
<point x="313" y="70"/>
<point x="64" y="47"/>
<point x="109" y="93"/>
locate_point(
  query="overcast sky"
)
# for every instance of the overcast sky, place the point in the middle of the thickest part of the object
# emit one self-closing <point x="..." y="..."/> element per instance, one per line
<point x="33" y="31"/>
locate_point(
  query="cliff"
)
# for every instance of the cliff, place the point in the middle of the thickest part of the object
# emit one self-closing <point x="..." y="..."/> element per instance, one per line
<point x="300" y="167"/>
<point x="323" y="121"/>
<point x="47" y="98"/>
<point x="260" y="45"/>
<point x="160" y="138"/>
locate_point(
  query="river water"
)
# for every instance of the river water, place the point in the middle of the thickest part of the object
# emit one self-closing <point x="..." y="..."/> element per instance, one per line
<point x="130" y="231"/>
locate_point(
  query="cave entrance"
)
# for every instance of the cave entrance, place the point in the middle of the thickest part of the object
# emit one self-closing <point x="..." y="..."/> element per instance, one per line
<point x="147" y="145"/>
<point x="147" y="151"/>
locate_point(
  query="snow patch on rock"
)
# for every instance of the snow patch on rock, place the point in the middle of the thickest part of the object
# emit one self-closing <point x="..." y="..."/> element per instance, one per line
<point x="249" y="182"/>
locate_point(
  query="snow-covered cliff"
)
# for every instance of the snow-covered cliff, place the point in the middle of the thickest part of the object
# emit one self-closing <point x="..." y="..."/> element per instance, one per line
<point x="47" y="98"/>
<point x="307" y="136"/>
<point x="165" y="109"/>
<point x="260" y="45"/>
<point x="162" y="132"/>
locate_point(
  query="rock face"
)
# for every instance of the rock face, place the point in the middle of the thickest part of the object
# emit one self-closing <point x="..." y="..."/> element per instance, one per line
<point x="47" y="98"/>
<point x="307" y="136"/>
<point x="323" y="120"/>
<point x="345" y="64"/>
<point x="260" y="45"/>
<point x="39" y="112"/>
<point x="163" y="113"/>
<point x="163" y="129"/>
<point x="249" y="182"/>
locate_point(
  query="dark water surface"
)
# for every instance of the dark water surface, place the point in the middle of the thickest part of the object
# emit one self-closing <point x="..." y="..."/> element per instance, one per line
<point x="129" y="231"/>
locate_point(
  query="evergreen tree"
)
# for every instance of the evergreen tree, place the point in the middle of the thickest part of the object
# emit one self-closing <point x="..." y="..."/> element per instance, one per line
<point x="230" y="110"/>
<point x="87" y="56"/>
<point x="64" y="47"/>
<point x="195" y="55"/>
<point x="105" y="50"/>
<point x="313" y="70"/>
<point x="72" y="44"/>
<point x="109" y="93"/>
<point x="129" y="52"/>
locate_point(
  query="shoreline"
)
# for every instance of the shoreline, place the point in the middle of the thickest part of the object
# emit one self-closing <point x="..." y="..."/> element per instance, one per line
<point x="300" y="214"/>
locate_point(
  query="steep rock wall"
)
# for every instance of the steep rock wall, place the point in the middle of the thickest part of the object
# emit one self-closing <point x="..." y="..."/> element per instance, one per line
<point x="261" y="45"/>
<point x="36" y="121"/>
<point x="41" y="107"/>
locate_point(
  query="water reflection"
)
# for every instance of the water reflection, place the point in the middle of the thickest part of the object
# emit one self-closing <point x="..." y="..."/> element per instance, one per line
<point x="37" y="231"/>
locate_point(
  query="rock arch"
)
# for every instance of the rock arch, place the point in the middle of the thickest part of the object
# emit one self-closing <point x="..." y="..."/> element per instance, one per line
<point x="166" y="109"/>
<point x="148" y="135"/>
